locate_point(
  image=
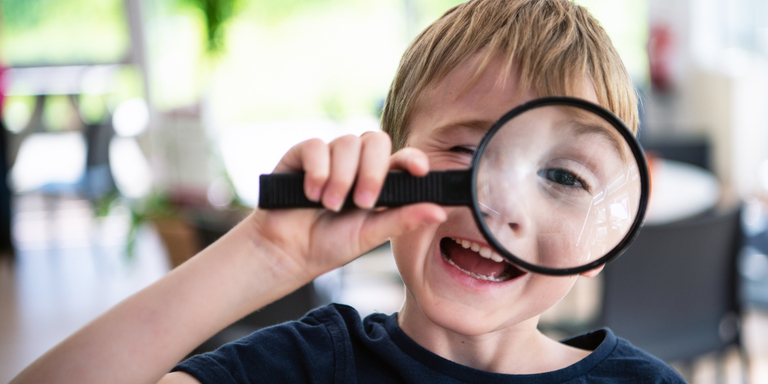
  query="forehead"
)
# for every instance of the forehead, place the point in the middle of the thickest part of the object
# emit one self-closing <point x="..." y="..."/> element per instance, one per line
<point x="466" y="97"/>
<point x="567" y="125"/>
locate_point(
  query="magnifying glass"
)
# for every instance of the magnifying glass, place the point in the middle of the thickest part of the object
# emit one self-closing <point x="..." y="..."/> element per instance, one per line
<point x="557" y="186"/>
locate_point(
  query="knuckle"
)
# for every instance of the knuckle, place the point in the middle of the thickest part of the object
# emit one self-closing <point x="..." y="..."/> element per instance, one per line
<point x="403" y="154"/>
<point x="342" y="179"/>
<point x="312" y="150"/>
<point x="347" y="140"/>
<point x="379" y="141"/>
<point x="405" y="151"/>
<point x="314" y="143"/>
<point x="316" y="174"/>
<point x="375" y="136"/>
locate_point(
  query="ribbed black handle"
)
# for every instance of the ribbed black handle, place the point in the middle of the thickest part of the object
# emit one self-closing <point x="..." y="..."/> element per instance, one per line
<point x="286" y="190"/>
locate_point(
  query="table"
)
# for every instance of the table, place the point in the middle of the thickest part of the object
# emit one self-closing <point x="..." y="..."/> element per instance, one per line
<point x="680" y="190"/>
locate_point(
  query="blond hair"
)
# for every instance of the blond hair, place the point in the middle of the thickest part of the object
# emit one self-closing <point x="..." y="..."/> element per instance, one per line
<point x="555" y="45"/>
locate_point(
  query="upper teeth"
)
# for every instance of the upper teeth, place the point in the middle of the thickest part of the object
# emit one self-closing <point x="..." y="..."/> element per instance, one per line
<point x="481" y="249"/>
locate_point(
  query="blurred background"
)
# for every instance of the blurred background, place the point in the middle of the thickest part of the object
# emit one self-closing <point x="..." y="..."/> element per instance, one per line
<point x="133" y="133"/>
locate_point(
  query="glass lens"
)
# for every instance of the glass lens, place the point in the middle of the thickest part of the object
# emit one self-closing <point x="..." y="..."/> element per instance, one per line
<point x="558" y="187"/>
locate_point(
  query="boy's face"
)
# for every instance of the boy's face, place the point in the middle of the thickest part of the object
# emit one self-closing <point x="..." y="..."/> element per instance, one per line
<point x="447" y="124"/>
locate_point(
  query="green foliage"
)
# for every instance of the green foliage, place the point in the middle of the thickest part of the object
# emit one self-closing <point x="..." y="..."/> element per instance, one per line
<point x="23" y="13"/>
<point x="216" y="13"/>
<point x="277" y="11"/>
<point x="333" y="105"/>
<point x="92" y="109"/>
<point x="156" y="206"/>
<point x="103" y="205"/>
<point x="58" y="113"/>
<point x="37" y="32"/>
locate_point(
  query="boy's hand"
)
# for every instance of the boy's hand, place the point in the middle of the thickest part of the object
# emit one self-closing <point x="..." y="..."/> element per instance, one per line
<point x="314" y="241"/>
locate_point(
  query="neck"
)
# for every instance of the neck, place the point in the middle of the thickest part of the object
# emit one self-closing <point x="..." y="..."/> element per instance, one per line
<point x="514" y="349"/>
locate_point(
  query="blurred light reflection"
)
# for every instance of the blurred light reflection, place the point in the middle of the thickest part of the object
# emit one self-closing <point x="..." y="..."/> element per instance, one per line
<point x="254" y="149"/>
<point x="130" y="169"/>
<point x="34" y="167"/>
<point x="131" y="117"/>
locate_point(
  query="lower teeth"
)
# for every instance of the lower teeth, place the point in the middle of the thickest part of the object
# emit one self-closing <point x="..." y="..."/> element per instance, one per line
<point x="497" y="279"/>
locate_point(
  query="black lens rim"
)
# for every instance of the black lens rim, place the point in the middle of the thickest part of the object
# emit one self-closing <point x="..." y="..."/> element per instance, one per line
<point x="625" y="132"/>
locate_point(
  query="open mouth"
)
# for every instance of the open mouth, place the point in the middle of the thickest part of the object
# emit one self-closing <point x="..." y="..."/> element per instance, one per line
<point x="477" y="260"/>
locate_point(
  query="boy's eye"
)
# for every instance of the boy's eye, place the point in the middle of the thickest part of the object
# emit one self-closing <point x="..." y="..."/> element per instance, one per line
<point x="463" y="149"/>
<point x="563" y="177"/>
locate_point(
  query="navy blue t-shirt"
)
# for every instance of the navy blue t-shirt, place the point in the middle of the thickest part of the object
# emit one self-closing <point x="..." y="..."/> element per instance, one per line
<point x="333" y="345"/>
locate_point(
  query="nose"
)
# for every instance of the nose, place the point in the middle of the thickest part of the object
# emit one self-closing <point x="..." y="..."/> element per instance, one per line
<point x="505" y="210"/>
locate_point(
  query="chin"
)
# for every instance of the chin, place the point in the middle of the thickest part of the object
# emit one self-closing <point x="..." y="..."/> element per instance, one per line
<point x="482" y="314"/>
<point x="442" y="297"/>
<point x="466" y="324"/>
<point x="469" y="319"/>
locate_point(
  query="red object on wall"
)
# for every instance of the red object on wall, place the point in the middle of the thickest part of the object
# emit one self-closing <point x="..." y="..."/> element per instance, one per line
<point x="3" y="86"/>
<point x="661" y="56"/>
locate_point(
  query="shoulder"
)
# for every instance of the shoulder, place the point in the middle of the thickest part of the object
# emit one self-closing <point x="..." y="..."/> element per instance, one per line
<point x="630" y="359"/>
<point x="296" y="351"/>
<point x="617" y="359"/>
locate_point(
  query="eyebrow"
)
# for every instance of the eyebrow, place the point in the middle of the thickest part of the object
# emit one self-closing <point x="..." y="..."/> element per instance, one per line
<point x="608" y="134"/>
<point x="479" y="125"/>
<point x="581" y="128"/>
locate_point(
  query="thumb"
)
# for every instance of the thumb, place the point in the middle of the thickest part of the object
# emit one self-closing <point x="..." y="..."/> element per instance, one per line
<point x="380" y="226"/>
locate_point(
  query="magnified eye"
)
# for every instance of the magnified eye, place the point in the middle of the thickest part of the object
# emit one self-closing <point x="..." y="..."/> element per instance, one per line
<point x="563" y="177"/>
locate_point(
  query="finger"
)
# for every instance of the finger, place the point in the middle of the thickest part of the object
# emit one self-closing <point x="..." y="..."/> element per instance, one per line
<point x="374" y="164"/>
<point x="410" y="159"/>
<point x="345" y="156"/>
<point x="312" y="157"/>
<point x="383" y="225"/>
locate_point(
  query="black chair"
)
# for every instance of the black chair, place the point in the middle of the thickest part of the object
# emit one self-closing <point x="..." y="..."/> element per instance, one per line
<point x="753" y="263"/>
<point x="674" y="292"/>
<point x="691" y="150"/>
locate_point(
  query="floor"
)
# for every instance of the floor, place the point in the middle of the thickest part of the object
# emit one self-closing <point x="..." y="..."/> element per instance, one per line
<point x="71" y="266"/>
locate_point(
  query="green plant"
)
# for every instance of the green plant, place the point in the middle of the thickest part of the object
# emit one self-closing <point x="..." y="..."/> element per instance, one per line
<point x="155" y="206"/>
<point x="216" y="13"/>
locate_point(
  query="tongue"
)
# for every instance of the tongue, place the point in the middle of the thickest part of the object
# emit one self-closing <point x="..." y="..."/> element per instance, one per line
<point x="470" y="260"/>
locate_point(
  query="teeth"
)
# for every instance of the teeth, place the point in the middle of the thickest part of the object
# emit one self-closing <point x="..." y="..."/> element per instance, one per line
<point x="484" y="251"/>
<point x="476" y="276"/>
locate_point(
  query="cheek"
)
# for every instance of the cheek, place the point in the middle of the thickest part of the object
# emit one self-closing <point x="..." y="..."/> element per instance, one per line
<point x="549" y="290"/>
<point x="562" y="243"/>
<point x="411" y="250"/>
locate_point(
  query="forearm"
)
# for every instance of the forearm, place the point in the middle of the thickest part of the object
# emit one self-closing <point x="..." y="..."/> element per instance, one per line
<point x="142" y="338"/>
<point x="265" y="257"/>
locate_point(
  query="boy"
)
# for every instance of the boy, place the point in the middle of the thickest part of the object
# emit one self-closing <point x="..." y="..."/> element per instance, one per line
<point x="479" y="60"/>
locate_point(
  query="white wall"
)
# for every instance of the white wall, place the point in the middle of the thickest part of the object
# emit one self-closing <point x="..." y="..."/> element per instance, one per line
<point x="720" y="91"/>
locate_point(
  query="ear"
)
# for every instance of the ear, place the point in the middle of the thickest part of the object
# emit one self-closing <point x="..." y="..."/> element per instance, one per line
<point x="592" y="272"/>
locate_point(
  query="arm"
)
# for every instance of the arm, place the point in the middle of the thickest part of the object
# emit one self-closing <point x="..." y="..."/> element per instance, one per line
<point x="265" y="257"/>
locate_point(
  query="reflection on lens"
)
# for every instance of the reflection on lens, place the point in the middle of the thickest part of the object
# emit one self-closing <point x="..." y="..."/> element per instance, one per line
<point x="558" y="187"/>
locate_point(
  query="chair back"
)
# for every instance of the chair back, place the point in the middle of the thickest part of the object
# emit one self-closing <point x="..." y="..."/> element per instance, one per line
<point x="673" y="292"/>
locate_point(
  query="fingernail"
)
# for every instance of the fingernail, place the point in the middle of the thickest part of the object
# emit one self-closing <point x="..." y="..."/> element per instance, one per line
<point x="365" y="199"/>
<point x="333" y="202"/>
<point x="314" y="194"/>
